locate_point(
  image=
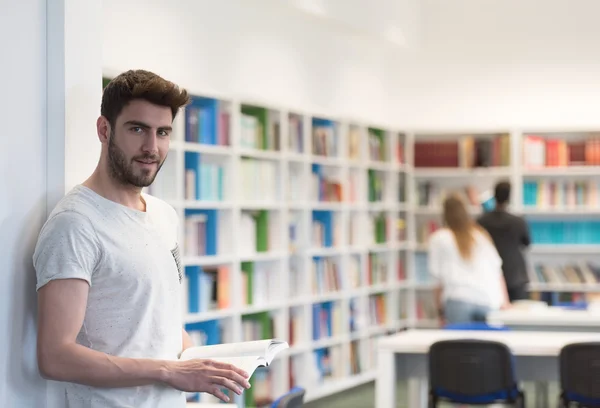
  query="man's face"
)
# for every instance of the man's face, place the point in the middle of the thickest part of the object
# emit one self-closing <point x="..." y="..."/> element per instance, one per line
<point x="139" y="143"/>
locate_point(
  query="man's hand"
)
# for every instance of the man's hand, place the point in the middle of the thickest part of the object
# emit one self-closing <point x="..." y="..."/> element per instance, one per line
<point x="206" y="376"/>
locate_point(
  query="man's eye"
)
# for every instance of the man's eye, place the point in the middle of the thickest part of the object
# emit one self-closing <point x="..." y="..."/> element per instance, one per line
<point x="163" y="133"/>
<point x="136" y="129"/>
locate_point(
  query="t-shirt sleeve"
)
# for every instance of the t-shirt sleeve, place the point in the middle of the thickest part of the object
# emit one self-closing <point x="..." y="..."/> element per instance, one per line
<point x="67" y="248"/>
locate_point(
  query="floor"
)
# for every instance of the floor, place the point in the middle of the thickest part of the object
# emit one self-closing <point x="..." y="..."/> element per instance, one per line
<point x="364" y="397"/>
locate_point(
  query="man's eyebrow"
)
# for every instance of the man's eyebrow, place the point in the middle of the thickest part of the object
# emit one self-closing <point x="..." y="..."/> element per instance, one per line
<point x="145" y="125"/>
<point x="138" y="123"/>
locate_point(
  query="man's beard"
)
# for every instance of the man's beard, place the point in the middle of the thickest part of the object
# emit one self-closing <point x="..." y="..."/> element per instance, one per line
<point x="124" y="172"/>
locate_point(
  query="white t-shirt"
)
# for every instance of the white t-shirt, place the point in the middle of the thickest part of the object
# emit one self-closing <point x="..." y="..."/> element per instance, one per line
<point x="131" y="261"/>
<point x="476" y="280"/>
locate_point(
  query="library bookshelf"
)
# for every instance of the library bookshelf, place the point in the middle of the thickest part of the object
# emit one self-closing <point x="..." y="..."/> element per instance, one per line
<point x="313" y="229"/>
<point x="555" y="176"/>
<point x="292" y="226"/>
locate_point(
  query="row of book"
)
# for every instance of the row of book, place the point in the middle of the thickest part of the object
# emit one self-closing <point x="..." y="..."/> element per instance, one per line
<point x="296" y="186"/>
<point x="201" y="233"/>
<point x="325" y="138"/>
<point x="326" y="276"/>
<point x="327" y="320"/>
<point x="258" y="231"/>
<point x="376" y="184"/>
<point x="204" y="177"/>
<point x="377" y="144"/>
<point x="561" y="193"/>
<point x="433" y="194"/>
<point x="539" y="152"/>
<point x="377" y="269"/>
<point x="377" y="228"/>
<point x="296" y="134"/>
<point x="258" y="180"/>
<point x="541" y="231"/>
<point x="571" y="273"/>
<point x="207" y="122"/>
<point x="259" y="283"/>
<point x="204" y="182"/>
<point x="325" y="186"/>
<point x="378" y="310"/>
<point x="206" y="289"/>
<point x="260" y="129"/>
<point x="297" y="330"/>
<point x="565" y="232"/>
<point x="466" y="152"/>
<point x="326" y="229"/>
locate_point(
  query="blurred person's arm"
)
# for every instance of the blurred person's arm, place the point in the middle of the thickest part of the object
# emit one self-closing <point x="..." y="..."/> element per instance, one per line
<point x="525" y="236"/>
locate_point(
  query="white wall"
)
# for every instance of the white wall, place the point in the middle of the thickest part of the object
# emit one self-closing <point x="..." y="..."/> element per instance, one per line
<point x="255" y="49"/>
<point x="22" y="195"/>
<point x="507" y="62"/>
<point x="476" y="63"/>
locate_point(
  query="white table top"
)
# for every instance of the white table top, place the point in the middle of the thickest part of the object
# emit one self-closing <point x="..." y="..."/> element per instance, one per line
<point x="545" y="317"/>
<point x="539" y="343"/>
<point x="208" y="405"/>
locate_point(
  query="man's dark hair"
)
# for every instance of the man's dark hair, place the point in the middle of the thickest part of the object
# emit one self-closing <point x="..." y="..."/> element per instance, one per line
<point x="502" y="192"/>
<point x="140" y="84"/>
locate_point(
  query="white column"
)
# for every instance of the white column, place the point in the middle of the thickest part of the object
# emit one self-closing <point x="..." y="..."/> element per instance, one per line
<point x="74" y="89"/>
<point x="74" y="74"/>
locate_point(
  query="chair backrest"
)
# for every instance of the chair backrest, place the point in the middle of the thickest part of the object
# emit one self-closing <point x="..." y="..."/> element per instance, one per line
<point x="474" y="326"/>
<point x="292" y="399"/>
<point x="470" y="367"/>
<point x="580" y="371"/>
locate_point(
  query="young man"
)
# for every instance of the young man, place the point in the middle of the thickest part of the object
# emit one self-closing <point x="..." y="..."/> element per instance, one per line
<point x="109" y="272"/>
<point x="511" y="235"/>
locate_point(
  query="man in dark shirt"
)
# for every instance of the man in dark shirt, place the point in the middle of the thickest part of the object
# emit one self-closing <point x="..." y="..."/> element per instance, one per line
<point x="510" y="234"/>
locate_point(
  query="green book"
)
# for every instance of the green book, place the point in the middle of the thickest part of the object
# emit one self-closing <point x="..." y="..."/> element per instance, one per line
<point x="262" y="231"/>
<point x="261" y="115"/>
<point x="248" y="269"/>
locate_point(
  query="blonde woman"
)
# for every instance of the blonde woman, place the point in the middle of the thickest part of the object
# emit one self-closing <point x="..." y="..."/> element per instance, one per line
<point x="464" y="260"/>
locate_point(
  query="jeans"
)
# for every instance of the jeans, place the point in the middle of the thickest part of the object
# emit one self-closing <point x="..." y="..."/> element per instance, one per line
<point x="458" y="311"/>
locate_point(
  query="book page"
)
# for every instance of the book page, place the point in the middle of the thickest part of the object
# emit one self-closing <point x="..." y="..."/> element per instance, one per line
<point x="247" y="348"/>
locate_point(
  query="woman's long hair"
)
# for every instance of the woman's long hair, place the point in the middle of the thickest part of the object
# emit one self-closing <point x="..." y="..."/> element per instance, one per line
<point x="459" y="221"/>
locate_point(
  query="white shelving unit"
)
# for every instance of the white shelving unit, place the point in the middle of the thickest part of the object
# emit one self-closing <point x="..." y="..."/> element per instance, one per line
<point x="283" y="180"/>
<point x="279" y="182"/>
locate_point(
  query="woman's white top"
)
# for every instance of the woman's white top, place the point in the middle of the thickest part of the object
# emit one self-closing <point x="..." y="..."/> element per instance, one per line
<point x="476" y="280"/>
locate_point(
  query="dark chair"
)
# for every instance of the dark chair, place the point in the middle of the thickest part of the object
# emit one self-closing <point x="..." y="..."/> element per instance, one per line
<point x="474" y="372"/>
<point x="580" y="375"/>
<point x="294" y="398"/>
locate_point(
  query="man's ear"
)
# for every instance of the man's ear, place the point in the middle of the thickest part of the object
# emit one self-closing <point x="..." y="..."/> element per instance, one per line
<point x="103" y="129"/>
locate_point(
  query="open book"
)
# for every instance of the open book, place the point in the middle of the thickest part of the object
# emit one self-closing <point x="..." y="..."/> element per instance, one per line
<point x="248" y="355"/>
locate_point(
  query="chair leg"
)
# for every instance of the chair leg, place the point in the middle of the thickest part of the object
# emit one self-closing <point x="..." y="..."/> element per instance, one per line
<point x="432" y="401"/>
<point x="561" y="402"/>
<point x="520" y="402"/>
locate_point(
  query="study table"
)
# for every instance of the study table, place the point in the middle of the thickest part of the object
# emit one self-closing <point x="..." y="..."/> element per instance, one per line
<point x="547" y="319"/>
<point x="403" y="356"/>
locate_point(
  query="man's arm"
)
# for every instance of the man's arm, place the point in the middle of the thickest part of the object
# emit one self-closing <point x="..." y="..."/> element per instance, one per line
<point x="61" y="309"/>
<point x="62" y="305"/>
